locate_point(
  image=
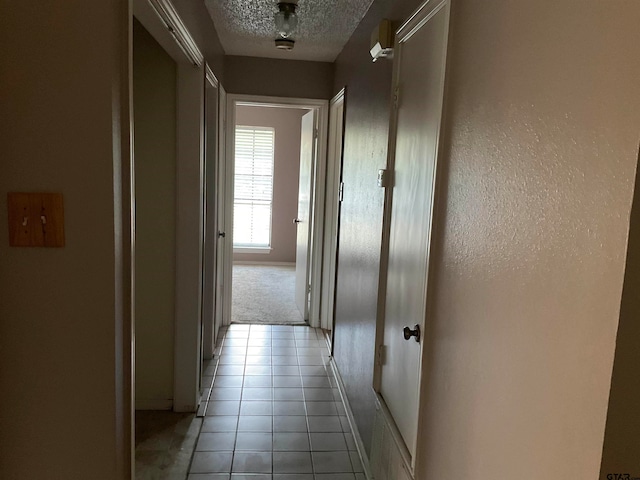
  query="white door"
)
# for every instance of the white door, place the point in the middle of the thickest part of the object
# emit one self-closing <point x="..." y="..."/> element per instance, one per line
<point x="303" y="220"/>
<point x="419" y="84"/>
<point x="222" y="296"/>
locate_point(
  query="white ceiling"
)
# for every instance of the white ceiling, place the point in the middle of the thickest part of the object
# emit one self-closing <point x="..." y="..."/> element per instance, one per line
<point x="246" y="27"/>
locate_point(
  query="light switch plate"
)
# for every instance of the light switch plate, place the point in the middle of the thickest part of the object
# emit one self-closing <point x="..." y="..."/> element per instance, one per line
<point x="36" y="219"/>
<point x="51" y="218"/>
<point x="20" y="222"/>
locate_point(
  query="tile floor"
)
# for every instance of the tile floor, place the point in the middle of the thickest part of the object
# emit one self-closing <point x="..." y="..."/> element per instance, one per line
<point x="274" y="412"/>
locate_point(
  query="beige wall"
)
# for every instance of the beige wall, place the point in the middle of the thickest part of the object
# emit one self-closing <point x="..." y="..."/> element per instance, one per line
<point x="64" y="363"/>
<point x="286" y="122"/>
<point x="540" y="152"/>
<point x="279" y="78"/>
<point x="543" y="123"/>
<point x="154" y="109"/>
<point x="197" y="19"/>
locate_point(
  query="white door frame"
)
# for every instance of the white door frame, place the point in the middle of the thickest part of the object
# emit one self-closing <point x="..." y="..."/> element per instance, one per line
<point x="212" y="106"/>
<point x="334" y="174"/>
<point x="319" y="174"/>
<point x="420" y="17"/>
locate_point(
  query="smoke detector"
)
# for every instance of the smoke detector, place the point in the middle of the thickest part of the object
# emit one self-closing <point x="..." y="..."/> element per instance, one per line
<point x="382" y="41"/>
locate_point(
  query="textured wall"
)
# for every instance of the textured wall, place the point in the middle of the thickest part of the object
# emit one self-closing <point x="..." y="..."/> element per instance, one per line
<point x="154" y="111"/>
<point x="280" y="78"/>
<point x="543" y="123"/>
<point x="286" y="122"/>
<point x="64" y="408"/>
<point x="365" y="151"/>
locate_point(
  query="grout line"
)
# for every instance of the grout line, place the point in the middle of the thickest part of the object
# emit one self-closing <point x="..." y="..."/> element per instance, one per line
<point x="304" y="399"/>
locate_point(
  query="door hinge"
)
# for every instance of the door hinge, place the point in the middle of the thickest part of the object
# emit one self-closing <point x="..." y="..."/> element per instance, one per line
<point x="315" y="133"/>
<point x="341" y="192"/>
<point x="396" y="97"/>
<point x="383" y="178"/>
<point x="309" y="288"/>
<point x="382" y="355"/>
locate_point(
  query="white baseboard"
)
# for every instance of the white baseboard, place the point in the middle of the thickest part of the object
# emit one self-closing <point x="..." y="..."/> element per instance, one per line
<point x="274" y="264"/>
<point x="390" y="459"/>
<point x="364" y="459"/>
<point x="154" y="404"/>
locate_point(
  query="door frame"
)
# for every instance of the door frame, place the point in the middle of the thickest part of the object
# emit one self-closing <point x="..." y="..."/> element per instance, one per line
<point x="318" y="187"/>
<point x="210" y="257"/>
<point x="419" y="18"/>
<point x="332" y="212"/>
<point x="163" y="22"/>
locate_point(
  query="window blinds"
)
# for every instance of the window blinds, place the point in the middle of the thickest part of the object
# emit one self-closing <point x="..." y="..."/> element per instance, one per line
<point x="253" y="188"/>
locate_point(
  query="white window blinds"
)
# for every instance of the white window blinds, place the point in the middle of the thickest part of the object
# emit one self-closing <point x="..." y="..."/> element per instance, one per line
<point x="253" y="188"/>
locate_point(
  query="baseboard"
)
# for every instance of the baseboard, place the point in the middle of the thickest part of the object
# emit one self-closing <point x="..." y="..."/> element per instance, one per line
<point x="273" y="264"/>
<point x="154" y="404"/>
<point x="366" y="466"/>
<point x="390" y="458"/>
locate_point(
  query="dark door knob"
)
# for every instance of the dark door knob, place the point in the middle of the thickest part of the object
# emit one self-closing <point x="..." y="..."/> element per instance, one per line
<point x="295" y="220"/>
<point x="408" y="333"/>
<point x="221" y="234"/>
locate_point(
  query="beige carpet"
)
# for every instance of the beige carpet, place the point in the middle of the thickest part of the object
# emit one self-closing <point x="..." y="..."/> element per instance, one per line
<point x="264" y="294"/>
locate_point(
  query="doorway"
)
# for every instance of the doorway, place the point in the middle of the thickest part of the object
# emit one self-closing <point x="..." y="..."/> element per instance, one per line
<point x="168" y="105"/>
<point x="266" y="192"/>
<point x="274" y="199"/>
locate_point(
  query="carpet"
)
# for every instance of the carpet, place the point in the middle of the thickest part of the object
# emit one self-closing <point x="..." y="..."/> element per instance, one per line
<point x="264" y="294"/>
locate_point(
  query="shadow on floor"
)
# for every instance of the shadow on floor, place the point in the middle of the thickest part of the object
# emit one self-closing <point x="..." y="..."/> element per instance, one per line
<point x="164" y="444"/>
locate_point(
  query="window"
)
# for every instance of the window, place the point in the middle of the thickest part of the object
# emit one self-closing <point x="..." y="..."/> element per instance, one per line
<point x="253" y="188"/>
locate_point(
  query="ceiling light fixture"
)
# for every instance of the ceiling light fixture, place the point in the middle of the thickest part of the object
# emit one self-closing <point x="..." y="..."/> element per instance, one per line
<point x="286" y="22"/>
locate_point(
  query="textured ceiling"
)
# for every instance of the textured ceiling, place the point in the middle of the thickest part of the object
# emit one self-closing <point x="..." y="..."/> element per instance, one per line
<point x="246" y="27"/>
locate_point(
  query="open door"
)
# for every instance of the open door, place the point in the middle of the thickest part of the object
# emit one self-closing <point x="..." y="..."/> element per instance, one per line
<point x="210" y="215"/>
<point x="419" y="87"/>
<point x="332" y="211"/>
<point x="303" y="220"/>
<point x="222" y="297"/>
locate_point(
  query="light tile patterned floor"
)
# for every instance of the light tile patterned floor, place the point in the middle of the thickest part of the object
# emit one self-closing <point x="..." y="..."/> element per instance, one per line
<point x="274" y="412"/>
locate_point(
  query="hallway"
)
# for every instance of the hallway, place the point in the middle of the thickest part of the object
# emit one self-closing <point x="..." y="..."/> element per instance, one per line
<point x="275" y="411"/>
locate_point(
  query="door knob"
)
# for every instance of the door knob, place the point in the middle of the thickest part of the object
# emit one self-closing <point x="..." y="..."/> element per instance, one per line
<point x="408" y="333"/>
<point x="296" y="220"/>
<point x="221" y="234"/>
